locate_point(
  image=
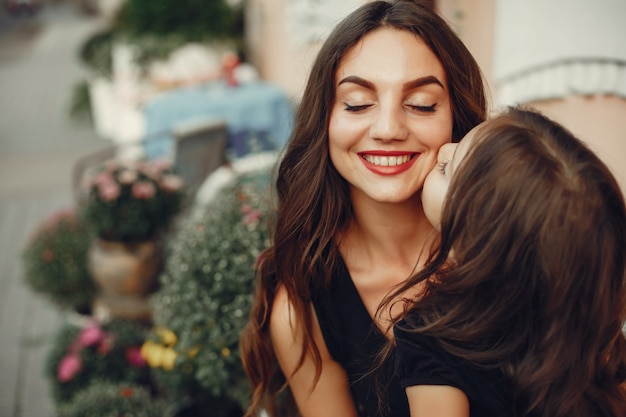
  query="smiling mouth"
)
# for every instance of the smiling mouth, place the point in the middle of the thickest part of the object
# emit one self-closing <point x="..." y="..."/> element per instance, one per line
<point x="387" y="161"/>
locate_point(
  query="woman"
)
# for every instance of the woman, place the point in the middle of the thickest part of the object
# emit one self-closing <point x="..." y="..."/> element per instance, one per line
<point x="521" y="308"/>
<point x="391" y="84"/>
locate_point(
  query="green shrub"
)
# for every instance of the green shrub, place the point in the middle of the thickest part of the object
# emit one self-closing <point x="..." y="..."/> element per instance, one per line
<point x="55" y="263"/>
<point x="96" y="52"/>
<point x="194" y="20"/>
<point x="206" y="293"/>
<point x="107" y="399"/>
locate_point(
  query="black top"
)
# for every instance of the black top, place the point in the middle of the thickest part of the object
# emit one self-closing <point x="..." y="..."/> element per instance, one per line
<point x="354" y="341"/>
<point x="420" y="360"/>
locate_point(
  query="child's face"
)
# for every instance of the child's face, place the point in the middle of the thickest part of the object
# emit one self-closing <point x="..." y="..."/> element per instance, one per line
<point x="438" y="180"/>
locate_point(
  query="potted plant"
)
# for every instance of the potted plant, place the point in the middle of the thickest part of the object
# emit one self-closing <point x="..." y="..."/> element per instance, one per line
<point x="55" y="261"/>
<point x="153" y="31"/>
<point x="96" y="352"/>
<point x="129" y="205"/>
<point x="205" y="296"/>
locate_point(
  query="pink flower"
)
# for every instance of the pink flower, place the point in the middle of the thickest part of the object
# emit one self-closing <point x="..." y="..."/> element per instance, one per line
<point x="127" y="177"/>
<point x="108" y="191"/>
<point x="151" y="170"/>
<point x="171" y="182"/>
<point x="67" y="214"/>
<point x="91" y="335"/>
<point x="104" y="177"/>
<point x="69" y="366"/>
<point x="143" y="190"/>
<point x="162" y="164"/>
<point x="106" y="344"/>
<point x="133" y="356"/>
<point x="252" y="217"/>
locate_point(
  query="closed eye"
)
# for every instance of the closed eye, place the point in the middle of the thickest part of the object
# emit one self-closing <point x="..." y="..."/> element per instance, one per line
<point x="355" y="109"/>
<point x="441" y="166"/>
<point x="424" y="109"/>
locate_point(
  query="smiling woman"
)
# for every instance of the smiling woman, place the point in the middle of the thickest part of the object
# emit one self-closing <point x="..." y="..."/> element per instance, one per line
<point x="391" y="84"/>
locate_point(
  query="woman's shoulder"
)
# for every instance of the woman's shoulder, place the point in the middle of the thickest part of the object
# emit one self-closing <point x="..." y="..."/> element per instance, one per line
<point x="285" y="325"/>
<point x="282" y="316"/>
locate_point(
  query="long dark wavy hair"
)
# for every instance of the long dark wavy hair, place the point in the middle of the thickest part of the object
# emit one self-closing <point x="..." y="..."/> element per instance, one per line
<point x="313" y="204"/>
<point x="536" y="226"/>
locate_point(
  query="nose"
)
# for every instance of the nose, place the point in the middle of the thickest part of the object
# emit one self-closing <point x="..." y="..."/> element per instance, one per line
<point x="389" y="124"/>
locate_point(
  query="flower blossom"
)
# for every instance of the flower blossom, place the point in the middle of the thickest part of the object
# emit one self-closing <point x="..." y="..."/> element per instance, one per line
<point x="168" y="358"/>
<point x="167" y="336"/>
<point x="91" y="335"/>
<point x="69" y="366"/>
<point x="252" y="217"/>
<point x="171" y="182"/>
<point x="127" y="176"/>
<point x="47" y="255"/>
<point x="143" y="190"/>
<point x="134" y="357"/>
<point x="108" y="191"/>
<point x="127" y="392"/>
<point x="106" y="344"/>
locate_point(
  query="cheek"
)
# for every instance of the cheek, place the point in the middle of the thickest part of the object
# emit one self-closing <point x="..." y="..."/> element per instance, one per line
<point x="338" y="131"/>
<point x="441" y="133"/>
<point x="437" y="131"/>
<point x="335" y="140"/>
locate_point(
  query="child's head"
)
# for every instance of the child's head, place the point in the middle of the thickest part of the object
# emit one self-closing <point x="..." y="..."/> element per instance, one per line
<point x="533" y="225"/>
<point x="525" y="198"/>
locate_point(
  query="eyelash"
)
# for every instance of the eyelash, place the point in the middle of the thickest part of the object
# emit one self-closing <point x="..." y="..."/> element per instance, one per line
<point x="355" y="108"/>
<point x="441" y="166"/>
<point x="423" y="109"/>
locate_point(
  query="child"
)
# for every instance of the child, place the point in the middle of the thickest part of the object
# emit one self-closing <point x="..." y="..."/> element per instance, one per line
<point x="521" y="306"/>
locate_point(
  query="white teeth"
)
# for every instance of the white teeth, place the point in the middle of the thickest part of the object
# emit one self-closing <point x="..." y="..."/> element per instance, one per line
<point x="385" y="161"/>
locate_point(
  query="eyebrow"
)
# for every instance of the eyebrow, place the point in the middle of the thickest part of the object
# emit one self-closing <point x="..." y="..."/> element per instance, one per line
<point x="418" y="82"/>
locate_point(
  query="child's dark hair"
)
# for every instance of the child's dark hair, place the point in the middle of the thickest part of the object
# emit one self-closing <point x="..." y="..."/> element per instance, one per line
<point x="535" y="225"/>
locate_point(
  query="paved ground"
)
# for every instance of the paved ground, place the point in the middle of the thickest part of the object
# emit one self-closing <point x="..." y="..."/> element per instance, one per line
<point x="39" y="144"/>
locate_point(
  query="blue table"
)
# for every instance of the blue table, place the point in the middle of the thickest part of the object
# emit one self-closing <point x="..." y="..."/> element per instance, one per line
<point x="259" y="116"/>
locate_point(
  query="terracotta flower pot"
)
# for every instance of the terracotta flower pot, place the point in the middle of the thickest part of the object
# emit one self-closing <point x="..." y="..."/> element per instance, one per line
<point x="125" y="273"/>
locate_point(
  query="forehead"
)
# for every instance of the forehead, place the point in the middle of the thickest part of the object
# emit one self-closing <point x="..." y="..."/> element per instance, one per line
<point x="388" y="54"/>
<point x="466" y="144"/>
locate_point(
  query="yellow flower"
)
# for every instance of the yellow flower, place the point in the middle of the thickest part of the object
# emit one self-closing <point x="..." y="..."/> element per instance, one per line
<point x="168" y="359"/>
<point x="193" y="352"/>
<point x="225" y="352"/>
<point x="167" y="336"/>
<point x="152" y="353"/>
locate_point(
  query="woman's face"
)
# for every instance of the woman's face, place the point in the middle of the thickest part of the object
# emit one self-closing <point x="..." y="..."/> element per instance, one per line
<point x="438" y="180"/>
<point x="391" y="115"/>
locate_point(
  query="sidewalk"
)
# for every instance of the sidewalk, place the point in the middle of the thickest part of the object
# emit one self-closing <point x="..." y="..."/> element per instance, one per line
<point x="38" y="146"/>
